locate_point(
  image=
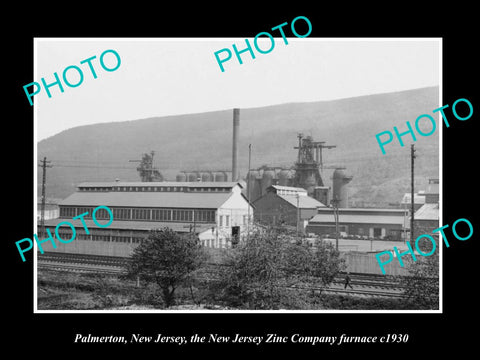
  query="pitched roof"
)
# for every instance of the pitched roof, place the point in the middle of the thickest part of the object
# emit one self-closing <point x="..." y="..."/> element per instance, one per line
<point x="372" y="211"/>
<point x="130" y="225"/>
<point x="291" y="188"/>
<point x="198" y="200"/>
<point x="427" y="212"/>
<point x="418" y="198"/>
<point x="304" y="202"/>
<point x="196" y="184"/>
<point x="357" y="219"/>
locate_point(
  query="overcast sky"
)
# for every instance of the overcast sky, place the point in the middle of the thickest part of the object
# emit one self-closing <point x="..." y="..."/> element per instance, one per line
<point x="159" y="77"/>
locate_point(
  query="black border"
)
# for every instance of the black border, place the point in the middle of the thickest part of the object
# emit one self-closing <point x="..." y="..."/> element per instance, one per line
<point x="428" y="333"/>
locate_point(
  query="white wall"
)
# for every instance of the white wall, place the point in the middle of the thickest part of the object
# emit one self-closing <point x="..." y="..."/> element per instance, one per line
<point x="236" y="210"/>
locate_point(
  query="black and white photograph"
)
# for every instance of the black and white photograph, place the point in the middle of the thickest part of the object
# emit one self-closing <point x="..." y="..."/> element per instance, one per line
<point x="262" y="188"/>
<point x="198" y="182"/>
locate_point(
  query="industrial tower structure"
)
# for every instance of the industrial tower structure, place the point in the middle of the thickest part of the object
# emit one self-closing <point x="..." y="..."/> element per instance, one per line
<point x="309" y="162"/>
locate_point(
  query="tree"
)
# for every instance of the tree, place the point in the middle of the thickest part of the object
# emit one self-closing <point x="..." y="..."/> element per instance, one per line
<point x="326" y="263"/>
<point x="262" y="271"/>
<point x="166" y="259"/>
<point x="422" y="282"/>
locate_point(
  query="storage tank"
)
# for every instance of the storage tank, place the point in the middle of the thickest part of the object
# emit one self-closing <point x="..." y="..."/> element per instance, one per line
<point x="219" y="177"/>
<point x="321" y="194"/>
<point x="181" y="177"/>
<point x="254" y="190"/>
<point x="268" y="179"/>
<point x="236" y="128"/>
<point x="340" y="188"/>
<point x="192" y="177"/>
<point x="285" y="177"/>
<point x="207" y="176"/>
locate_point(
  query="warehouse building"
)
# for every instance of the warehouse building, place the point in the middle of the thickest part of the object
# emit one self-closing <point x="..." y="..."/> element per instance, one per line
<point x="418" y="200"/>
<point x="284" y="205"/>
<point x="216" y="212"/>
<point x="365" y="223"/>
<point x="426" y="218"/>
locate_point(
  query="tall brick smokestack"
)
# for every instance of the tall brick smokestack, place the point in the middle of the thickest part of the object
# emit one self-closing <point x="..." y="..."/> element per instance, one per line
<point x="236" y="128"/>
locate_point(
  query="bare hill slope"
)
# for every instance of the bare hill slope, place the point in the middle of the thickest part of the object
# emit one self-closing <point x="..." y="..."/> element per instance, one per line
<point x="101" y="152"/>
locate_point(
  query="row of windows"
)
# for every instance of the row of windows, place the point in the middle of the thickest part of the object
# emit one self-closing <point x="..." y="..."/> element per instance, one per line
<point x="224" y="220"/>
<point x="156" y="189"/>
<point x="227" y="220"/>
<point x="66" y="236"/>
<point x="143" y="214"/>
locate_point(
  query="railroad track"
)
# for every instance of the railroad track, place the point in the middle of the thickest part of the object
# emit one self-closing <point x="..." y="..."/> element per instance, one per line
<point x="82" y="259"/>
<point x="79" y="268"/>
<point x="363" y="284"/>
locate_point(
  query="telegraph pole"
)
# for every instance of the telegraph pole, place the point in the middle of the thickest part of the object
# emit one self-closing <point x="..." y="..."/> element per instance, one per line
<point x="412" y="201"/>
<point x="248" y="190"/>
<point x="298" y="215"/>
<point x="335" y="215"/>
<point x="43" y="164"/>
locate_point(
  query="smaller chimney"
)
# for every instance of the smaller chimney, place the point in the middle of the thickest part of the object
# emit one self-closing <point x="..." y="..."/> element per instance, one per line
<point x="236" y="126"/>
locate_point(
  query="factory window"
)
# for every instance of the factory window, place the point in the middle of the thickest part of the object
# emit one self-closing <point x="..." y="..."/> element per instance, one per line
<point x="82" y="210"/>
<point x="181" y="215"/>
<point x="102" y="214"/>
<point x="67" y="212"/>
<point x="377" y="232"/>
<point x="161" y="215"/>
<point x="117" y="213"/>
<point x="205" y="216"/>
<point x="141" y="214"/>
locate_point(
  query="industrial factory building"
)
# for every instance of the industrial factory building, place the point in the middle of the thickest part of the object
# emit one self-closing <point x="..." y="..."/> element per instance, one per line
<point x="284" y="205"/>
<point x="216" y="212"/>
<point x="365" y="223"/>
<point x="426" y="218"/>
<point x="305" y="174"/>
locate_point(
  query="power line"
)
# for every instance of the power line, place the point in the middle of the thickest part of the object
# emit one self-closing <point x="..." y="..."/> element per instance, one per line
<point x="96" y="166"/>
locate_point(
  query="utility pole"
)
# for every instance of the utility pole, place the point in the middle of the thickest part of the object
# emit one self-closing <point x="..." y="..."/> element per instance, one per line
<point x="43" y="164"/>
<point x="412" y="201"/>
<point x="248" y="190"/>
<point x="298" y="214"/>
<point x="335" y="215"/>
